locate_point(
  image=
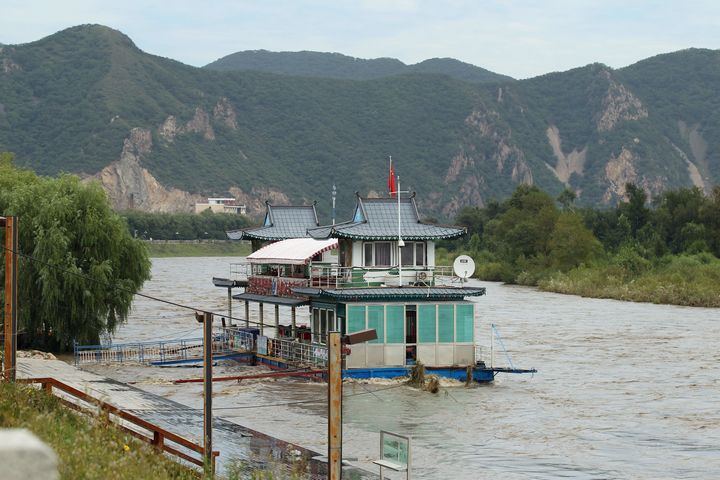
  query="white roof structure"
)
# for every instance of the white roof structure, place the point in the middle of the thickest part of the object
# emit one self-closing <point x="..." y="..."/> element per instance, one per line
<point x="294" y="251"/>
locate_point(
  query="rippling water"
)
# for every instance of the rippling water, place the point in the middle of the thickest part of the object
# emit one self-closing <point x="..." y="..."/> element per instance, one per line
<point x="624" y="390"/>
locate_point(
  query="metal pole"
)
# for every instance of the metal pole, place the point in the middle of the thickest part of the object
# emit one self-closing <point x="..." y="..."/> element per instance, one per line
<point x="262" y="320"/>
<point x="293" y="315"/>
<point x="207" y="391"/>
<point x="334" y="407"/>
<point x="247" y="313"/>
<point x="492" y="344"/>
<point x="277" y="321"/>
<point x="400" y="241"/>
<point x="10" y="320"/>
<point x="230" y="304"/>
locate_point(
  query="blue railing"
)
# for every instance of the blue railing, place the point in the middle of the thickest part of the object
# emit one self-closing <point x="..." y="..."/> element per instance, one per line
<point x="140" y="352"/>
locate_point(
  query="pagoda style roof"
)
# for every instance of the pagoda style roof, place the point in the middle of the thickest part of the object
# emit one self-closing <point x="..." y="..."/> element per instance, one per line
<point x="281" y="222"/>
<point x="377" y="219"/>
<point x="424" y="294"/>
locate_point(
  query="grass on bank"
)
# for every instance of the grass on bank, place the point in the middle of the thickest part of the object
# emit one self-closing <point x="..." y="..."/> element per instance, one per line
<point x="198" y="249"/>
<point x="86" y="448"/>
<point x="690" y="280"/>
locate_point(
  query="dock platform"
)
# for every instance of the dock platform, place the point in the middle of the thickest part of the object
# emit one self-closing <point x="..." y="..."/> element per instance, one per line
<point x="234" y="441"/>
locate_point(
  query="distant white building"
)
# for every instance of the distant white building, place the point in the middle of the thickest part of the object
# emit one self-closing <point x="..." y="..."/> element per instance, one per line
<point x="221" y="205"/>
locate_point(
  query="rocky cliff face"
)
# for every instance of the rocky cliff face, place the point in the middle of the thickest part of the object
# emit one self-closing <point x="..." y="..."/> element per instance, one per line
<point x="488" y="152"/>
<point x="130" y="186"/>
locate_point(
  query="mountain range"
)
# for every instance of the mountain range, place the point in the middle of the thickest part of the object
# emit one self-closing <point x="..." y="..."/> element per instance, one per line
<point x="160" y="135"/>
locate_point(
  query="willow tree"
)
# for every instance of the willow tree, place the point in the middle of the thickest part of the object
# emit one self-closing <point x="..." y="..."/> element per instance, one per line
<point x="79" y="265"/>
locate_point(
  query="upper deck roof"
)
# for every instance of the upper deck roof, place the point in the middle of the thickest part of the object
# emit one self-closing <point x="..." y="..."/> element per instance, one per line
<point x="293" y="251"/>
<point x="395" y="294"/>
<point x="281" y="222"/>
<point x="377" y="219"/>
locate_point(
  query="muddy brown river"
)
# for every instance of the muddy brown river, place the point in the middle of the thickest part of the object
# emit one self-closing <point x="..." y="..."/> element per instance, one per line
<point x="623" y="390"/>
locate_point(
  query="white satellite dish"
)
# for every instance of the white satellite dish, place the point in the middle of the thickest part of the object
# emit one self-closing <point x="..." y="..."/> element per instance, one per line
<point x="464" y="267"/>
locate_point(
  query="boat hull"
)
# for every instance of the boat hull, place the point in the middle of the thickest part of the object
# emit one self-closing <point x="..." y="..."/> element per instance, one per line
<point x="481" y="375"/>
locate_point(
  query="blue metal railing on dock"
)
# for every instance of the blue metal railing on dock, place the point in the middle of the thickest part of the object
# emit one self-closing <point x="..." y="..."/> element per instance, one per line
<point x="144" y="352"/>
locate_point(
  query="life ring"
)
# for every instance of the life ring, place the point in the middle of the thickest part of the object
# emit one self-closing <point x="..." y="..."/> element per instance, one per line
<point x="422" y="275"/>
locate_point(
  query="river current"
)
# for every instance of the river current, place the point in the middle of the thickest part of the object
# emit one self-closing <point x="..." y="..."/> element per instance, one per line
<point x="623" y="390"/>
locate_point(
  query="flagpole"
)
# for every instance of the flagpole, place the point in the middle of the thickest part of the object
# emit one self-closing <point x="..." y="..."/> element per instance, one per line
<point x="400" y="241"/>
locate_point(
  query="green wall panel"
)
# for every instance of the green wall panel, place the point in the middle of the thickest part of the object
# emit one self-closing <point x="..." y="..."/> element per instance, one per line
<point x="427" y="332"/>
<point x="464" y="323"/>
<point x="446" y="323"/>
<point x="395" y="324"/>
<point x="376" y="320"/>
<point x="355" y="318"/>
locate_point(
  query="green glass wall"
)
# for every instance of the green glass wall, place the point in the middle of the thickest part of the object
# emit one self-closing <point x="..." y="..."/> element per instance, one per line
<point x="464" y="323"/>
<point x="395" y="323"/>
<point x="427" y="332"/>
<point x="375" y="319"/>
<point x="355" y="318"/>
<point x="446" y="323"/>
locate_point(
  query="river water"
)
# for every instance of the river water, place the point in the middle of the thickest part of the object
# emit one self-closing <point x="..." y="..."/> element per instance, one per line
<point x="623" y="390"/>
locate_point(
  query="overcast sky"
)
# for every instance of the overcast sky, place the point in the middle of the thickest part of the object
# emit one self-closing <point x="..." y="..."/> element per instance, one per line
<point x="517" y="38"/>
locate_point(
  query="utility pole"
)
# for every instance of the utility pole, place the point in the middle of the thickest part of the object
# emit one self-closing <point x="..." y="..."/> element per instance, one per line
<point x="334" y="407"/>
<point x="10" y="318"/>
<point x="335" y="395"/>
<point x="206" y="318"/>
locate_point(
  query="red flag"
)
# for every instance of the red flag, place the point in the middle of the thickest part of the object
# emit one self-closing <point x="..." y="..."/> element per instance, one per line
<point x="391" y="180"/>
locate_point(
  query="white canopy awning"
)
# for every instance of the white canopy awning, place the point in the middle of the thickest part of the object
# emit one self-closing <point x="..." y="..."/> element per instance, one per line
<point x="294" y="251"/>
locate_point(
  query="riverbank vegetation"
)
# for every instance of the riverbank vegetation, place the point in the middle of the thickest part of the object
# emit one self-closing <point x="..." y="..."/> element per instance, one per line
<point x="159" y="249"/>
<point x="78" y="268"/>
<point x="664" y="251"/>
<point x="183" y="226"/>
<point x="86" y="448"/>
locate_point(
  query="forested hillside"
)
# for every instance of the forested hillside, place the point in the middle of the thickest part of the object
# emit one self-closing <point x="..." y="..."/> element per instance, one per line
<point x="159" y="135"/>
<point x="336" y="65"/>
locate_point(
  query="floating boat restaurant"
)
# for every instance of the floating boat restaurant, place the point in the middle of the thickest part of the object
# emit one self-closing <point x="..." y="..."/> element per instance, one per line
<point x="376" y="271"/>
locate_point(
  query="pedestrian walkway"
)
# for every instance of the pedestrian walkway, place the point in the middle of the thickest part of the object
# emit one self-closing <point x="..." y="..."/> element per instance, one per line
<point x="235" y="442"/>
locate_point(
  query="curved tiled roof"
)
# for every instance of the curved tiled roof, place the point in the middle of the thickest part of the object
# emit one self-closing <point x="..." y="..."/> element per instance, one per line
<point x="377" y="219"/>
<point x="281" y="222"/>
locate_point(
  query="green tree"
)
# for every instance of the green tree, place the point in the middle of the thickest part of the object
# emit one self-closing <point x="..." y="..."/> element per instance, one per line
<point x="566" y="198"/>
<point x="80" y="266"/>
<point x="524" y="229"/>
<point x="571" y="242"/>
<point x="635" y="209"/>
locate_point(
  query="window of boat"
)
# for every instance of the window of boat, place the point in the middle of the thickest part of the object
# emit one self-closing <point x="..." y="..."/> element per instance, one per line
<point x="377" y="254"/>
<point x="464" y="323"/>
<point x="368" y="261"/>
<point x="413" y="254"/>
<point x="446" y="323"/>
<point x="316" y="326"/>
<point x="376" y="320"/>
<point x="382" y="254"/>
<point x="355" y="318"/>
<point x="395" y="324"/>
<point x="427" y="327"/>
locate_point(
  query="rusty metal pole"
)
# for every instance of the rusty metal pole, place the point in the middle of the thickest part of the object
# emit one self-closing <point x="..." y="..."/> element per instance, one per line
<point x="207" y="391"/>
<point x="334" y="407"/>
<point x="10" y="320"/>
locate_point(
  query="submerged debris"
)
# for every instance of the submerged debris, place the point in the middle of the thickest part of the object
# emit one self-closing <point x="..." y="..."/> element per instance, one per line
<point x="430" y="383"/>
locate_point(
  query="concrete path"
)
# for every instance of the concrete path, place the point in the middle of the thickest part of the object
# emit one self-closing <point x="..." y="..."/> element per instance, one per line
<point x="234" y="442"/>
